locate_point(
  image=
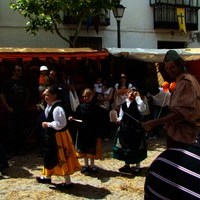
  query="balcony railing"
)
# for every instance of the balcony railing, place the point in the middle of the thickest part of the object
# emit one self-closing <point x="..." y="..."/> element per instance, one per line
<point x="177" y="3"/>
<point x="165" y="16"/>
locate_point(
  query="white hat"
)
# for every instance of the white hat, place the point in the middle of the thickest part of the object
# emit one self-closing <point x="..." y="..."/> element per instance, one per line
<point x="43" y="68"/>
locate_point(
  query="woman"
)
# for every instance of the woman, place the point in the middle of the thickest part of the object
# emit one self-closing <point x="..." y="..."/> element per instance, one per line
<point x="121" y="89"/>
<point x="130" y="138"/>
<point x="59" y="153"/>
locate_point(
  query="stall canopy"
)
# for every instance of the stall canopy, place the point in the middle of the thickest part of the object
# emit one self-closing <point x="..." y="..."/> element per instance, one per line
<point x="154" y="55"/>
<point x="56" y="53"/>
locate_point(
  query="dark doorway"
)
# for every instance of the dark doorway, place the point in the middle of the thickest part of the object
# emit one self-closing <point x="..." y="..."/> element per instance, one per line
<point x="171" y="45"/>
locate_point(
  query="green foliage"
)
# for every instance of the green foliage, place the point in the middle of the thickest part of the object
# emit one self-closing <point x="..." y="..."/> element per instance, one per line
<point x="40" y="13"/>
<point x="47" y="14"/>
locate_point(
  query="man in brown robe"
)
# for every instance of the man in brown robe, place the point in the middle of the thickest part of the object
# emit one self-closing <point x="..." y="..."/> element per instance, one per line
<point x="180" y="123"/>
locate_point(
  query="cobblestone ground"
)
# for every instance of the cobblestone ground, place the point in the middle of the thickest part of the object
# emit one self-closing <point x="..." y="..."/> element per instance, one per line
<point x="107" y="184"/>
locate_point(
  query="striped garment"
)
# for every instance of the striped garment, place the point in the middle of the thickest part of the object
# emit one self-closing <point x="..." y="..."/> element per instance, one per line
<point x="174" y="174"/>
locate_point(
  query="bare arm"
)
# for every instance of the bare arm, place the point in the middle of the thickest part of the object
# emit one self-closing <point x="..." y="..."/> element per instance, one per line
<point x="110" y="96"/>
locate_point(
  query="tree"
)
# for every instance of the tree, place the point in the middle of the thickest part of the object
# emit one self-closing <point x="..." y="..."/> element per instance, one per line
<point x="47" y="14"/>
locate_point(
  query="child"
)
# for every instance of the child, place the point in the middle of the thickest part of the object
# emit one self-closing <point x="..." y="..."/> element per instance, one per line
<point x="88" y="142"/>
<point x="98" y="90"/>
<point x="130" y="138"/>
<point x="98" y="86"/>
<point x="59" y="153"/>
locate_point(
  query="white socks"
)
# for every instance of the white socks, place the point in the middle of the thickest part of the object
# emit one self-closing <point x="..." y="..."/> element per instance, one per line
<point x="86" y="162"/>
<point x="67" y="179"/>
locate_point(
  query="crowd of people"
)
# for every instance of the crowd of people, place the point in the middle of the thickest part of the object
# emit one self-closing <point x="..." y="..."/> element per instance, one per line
<point x="73" y="127"/>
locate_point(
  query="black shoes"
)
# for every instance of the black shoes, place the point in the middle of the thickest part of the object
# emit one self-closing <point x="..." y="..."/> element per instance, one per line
<point x="136" y="171"/>
<point x="85" y="170"/>
<point x="43" y="180"/>
<point x="94" y="170"/>
<point x="130" y="170"/>
<point x="125" y="169"/>
<point x="59" y="186"/>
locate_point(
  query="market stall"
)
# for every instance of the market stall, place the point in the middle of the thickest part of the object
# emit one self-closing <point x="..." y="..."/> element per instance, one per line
<point x="155" y="57"/>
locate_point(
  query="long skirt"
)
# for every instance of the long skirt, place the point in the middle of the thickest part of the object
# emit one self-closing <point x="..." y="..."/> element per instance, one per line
<point x="97" y="155"/>
<point x="68" y="160"/>
<point x="130" y="145"/>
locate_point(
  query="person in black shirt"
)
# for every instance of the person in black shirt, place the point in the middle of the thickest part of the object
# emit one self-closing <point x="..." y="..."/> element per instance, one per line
<point x="14" y="98"/>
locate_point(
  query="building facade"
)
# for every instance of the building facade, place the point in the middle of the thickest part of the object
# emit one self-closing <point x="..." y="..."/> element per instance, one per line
<point x="139" y="28"/>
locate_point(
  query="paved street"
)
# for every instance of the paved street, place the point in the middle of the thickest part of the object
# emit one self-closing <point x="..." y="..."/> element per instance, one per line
<point x="107" y="184"/>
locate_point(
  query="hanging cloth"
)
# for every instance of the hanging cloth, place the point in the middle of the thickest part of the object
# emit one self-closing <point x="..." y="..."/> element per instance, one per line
<point x="74" y="100"/>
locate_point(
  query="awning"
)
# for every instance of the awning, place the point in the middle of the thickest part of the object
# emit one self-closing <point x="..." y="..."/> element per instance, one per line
<point x="56" y="53"/>
<point x="154" y="55"/>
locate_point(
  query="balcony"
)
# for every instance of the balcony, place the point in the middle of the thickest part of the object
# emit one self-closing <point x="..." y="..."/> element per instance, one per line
<point x="165" y="17"/>
<point x="177" y="3"/>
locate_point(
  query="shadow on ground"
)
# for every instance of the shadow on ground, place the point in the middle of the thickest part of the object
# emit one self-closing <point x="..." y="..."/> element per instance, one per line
<point x="85" y="191"/>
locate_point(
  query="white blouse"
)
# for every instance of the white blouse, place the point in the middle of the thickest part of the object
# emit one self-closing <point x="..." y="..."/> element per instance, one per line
<point x="140" y="104"/>
<point x="59" y="117"/>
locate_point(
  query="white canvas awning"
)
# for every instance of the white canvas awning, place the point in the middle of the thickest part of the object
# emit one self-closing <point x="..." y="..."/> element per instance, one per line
<point x="154" y="55"/>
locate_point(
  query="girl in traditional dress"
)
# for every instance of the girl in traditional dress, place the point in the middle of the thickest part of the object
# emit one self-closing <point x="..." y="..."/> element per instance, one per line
<point x="59" y="154"/>
<point x="130" y="138"/>
<point x="88" y="142"/>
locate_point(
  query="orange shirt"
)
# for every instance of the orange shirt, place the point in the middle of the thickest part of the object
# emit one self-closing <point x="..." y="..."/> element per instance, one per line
<point x="43" y="80"/>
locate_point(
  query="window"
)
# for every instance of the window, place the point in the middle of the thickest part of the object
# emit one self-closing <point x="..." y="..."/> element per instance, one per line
<point x="92" y="42"/>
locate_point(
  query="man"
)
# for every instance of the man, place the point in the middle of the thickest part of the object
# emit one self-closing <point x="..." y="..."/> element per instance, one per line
<point x="184" y="106"/>
<point x="53" y="77"/>
<point x="14" y="98"/>
<point x="175" y="172"/>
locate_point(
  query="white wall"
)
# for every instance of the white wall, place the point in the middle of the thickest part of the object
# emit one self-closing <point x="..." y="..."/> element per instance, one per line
<point x="136" y="30"/>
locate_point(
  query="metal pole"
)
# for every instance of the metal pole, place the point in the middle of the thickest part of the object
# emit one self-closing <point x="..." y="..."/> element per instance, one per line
<point x="118" y="34"/>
